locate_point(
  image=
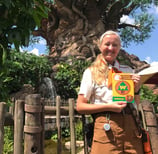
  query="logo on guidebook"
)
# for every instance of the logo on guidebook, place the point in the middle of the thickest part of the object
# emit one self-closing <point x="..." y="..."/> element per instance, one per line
<point x="122" y="87"/>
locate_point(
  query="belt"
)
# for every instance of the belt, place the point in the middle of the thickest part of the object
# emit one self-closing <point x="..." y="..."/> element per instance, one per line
<point x="125" y="111"/>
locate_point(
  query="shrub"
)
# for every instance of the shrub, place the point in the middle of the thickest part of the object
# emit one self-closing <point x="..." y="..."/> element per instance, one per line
<point x="68" y="77"/>
<point x="8" y="140"/>
<point x="147" y="94"/>
<point x="24" y="68"/>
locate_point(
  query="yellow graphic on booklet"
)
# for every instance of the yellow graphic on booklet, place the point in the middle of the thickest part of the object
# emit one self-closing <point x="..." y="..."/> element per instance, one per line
<point x="122" y="87"/>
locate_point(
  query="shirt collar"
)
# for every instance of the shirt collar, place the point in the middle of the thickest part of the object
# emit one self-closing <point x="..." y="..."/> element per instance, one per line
<point x="116" y="64"/>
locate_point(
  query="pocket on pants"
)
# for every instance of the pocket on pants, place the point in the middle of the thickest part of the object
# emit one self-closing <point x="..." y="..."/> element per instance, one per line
<point x="102" y="136"/>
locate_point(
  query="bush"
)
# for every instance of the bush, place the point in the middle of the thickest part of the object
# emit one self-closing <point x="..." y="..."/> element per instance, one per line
<point x="66" y="132"/>
<point x="147" y="94"/>
<point x="79" y="131"/>
<point x="68" y="77"/>
<point x="24" y="68"/>
<point x="8" y="140"/>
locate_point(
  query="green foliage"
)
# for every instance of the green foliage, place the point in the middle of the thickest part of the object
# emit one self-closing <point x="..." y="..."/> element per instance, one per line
<point x="24" y="68"/>
<point x="18" y="19"/>
<point x="147" y="94"/>
<point x="130" y="34"/>
<point x="28" y="68"/>
<point x="79" y="130"/>
<point x="68" y="77"/>
<point x="4" y="79"/>
<point x="54" y="136"/>
<point x="8" y="140"/>
<point x="66" y="132"/>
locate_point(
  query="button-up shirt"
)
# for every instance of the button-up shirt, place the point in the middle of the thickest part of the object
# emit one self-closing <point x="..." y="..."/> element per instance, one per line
<point x="98" y="94"/>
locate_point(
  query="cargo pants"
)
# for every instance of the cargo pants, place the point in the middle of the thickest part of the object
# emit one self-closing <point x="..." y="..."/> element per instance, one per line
<point x="122" y="138"/>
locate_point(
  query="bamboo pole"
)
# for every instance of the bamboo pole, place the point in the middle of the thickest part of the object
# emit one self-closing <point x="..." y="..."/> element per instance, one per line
<point x="2" y="119"/>
<point x="58" y="123"/>
<point x="72" y="126"/>
<point x="18" y="126"/>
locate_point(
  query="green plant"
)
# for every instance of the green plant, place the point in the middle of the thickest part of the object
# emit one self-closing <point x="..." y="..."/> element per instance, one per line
<point x="22" y="68"/>
<point x="27" y="68"/>
<point x="79" y="131"/>
<point x="66" y="132"/>
<point x="54" y="136"/>
<point x="68" y="77"/>
<point x="8" y="140"/>
<point x="4" y="79"/>
<point x="18" y="19"/>
<point x="147" y="94"/>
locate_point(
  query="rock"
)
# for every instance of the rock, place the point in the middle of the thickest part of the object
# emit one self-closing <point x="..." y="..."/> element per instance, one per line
<point x="78" y="144"/>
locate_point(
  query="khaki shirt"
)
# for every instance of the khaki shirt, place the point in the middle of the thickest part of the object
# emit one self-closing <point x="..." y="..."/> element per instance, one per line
<point x="98" y="94"/>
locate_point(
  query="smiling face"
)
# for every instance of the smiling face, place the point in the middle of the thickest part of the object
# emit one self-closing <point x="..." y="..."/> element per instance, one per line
<point x="110" y="46"/>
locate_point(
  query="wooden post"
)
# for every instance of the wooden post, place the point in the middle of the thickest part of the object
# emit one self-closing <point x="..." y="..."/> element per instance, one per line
<point x="84" y="135"/>
<point x="58" y="124"/>
<point x="18" y="126"/>
<point x="72" y="126"/>
<point x="33" y="128"/>
<point x="43" y="126"/>
<point x="2" y="118"/>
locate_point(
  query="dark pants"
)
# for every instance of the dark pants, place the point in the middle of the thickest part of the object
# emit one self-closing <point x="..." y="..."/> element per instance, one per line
<point x="122" y="138"/>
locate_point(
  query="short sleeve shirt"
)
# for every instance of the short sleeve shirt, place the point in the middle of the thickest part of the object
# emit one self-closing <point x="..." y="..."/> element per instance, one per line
<point x="98" y="94"/>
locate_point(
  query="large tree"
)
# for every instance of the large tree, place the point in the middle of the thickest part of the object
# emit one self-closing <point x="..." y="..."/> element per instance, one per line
<point x="18" y="18"/>
<point x="73" y="26"/>
<point x="70" y="27"/>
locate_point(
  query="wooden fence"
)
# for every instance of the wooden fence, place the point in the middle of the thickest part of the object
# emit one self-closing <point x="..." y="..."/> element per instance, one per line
<point x="28" y="121"/>
<point x="27" y="117"/>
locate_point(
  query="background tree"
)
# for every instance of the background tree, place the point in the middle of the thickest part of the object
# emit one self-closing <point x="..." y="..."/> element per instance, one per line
<point x="73" y="26"/>
<point x="17" y="21"/>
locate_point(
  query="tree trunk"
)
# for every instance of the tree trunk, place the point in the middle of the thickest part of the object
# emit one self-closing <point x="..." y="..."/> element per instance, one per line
<point x="73" y="27"/>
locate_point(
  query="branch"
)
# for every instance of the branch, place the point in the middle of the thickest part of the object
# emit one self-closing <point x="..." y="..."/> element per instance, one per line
<point x="64" y="10"/>
<point x="123" y="25"/>
<point x="81" y="15"/>
<point x="127" y="10"/>
<point x="77" y="11"/>
<point x="53" y="19"/>
<point x="102" y="5"/>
